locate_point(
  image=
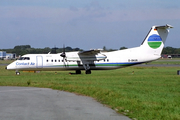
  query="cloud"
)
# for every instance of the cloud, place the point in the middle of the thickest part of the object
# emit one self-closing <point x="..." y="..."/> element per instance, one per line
<point x="138" y="15"/>
<point x="94" y="13"/>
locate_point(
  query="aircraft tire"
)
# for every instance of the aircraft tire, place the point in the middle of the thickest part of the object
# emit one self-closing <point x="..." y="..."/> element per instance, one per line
<point x="17" y="73"/>
<point x="88" y="71"/>
<point x="78" y="71"/>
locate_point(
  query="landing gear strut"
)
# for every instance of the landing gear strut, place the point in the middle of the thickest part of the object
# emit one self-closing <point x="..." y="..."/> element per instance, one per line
<point x="87" y="68"/>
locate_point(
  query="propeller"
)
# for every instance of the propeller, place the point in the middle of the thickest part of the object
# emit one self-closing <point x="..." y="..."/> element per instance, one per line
<point x="63" y="54"/>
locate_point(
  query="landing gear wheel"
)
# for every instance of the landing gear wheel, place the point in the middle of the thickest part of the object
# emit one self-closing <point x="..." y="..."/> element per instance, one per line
<point x="88" y="71"/>
<point x="78" y="71"/>
<point x="17" y="73"/>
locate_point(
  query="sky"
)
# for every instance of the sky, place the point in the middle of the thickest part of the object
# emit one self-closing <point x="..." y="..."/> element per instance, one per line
<point x="86" y="24"/>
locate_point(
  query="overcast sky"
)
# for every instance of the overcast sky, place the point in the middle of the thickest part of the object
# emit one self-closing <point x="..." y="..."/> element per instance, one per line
<point x="86" y="24"/>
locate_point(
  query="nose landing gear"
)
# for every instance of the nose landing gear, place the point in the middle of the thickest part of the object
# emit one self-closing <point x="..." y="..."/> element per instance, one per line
<point x="17" y="72"/>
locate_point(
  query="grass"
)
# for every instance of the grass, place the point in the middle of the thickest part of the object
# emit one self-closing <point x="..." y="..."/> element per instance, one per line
<point x="148" y="93"/>
<point x="167" y="61"/>
<point x="5" y="61"/>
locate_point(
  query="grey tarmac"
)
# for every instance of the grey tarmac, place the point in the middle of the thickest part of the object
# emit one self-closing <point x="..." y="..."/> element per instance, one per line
<point x="29" y="103"/>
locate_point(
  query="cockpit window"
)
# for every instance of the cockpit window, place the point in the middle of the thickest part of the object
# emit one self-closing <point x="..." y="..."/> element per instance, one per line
<point x="21" y="58"/>
<point x="24" y="58"/>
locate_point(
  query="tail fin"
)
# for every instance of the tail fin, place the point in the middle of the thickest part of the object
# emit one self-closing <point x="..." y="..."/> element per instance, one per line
<point x="155" y="40"/>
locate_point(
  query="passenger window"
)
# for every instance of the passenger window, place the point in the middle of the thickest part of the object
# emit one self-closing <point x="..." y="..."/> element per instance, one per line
<point x="51" y="60"/>
<point x="47" y="60"/>
<point x="59" y="60"/>
<point x="55" y="60"/>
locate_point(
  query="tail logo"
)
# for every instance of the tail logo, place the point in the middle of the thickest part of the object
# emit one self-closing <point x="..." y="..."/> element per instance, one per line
<point x="154" y="41"/>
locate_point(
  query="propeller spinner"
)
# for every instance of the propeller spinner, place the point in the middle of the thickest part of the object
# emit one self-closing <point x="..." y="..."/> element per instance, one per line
<point x="63" y="53"/>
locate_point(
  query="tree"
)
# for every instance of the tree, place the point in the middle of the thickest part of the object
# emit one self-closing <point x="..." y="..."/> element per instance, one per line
<point x="46" y="50"/>
<point x="54" y="50"/>
<point x="104" y="48"/>
<point x="122" y="48"/>
<point x="68" y="49"/>
<point x="22" y="47"/>
<point x="76" y="49"/>
<point x="169" y="50"/>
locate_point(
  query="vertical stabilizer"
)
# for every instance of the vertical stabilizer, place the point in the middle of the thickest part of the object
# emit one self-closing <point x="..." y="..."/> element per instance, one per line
<point x="155" y="40"/>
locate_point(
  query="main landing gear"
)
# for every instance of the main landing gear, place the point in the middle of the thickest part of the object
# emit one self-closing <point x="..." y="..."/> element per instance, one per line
<point x="78" y="71"/>
<point x="87" y="72"/>
<point x="87" y="68"/>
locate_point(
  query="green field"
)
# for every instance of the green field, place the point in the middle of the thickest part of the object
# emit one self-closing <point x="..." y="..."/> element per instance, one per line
<point x="174" y="61"/>
<point x="147" y="94"/>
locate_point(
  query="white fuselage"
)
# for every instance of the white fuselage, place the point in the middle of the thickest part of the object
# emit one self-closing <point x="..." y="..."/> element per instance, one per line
<point x="102" y="61"/>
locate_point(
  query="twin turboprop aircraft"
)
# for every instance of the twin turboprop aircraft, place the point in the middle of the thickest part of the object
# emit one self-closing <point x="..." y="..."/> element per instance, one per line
<point x="148" y="51"/>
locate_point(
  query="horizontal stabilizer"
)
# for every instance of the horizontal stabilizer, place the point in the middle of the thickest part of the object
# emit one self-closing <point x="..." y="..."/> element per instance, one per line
<point x="165" y="26"/>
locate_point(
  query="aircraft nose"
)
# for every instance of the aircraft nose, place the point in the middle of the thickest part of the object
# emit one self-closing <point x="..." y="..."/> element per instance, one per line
<point x="9" y="67"/>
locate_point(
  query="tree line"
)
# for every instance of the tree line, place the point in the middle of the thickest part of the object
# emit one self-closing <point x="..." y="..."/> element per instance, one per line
<point x="27" y="49"/>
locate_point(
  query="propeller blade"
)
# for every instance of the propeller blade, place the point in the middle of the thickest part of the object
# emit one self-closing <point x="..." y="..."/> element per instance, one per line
<point x="63" y="53"/>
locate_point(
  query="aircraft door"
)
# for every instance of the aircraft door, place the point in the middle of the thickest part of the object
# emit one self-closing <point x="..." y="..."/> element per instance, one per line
<point x="39" y="61"/>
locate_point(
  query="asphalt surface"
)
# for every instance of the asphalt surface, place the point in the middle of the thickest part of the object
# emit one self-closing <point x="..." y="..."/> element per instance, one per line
<point x="28" y="103"/>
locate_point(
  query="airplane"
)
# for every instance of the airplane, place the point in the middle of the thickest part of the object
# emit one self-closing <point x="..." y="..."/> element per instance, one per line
<point x="95" y="59"/>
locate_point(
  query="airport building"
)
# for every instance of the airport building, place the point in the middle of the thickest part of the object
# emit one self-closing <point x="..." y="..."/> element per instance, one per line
<point x="2" y="54"/>
<point x="10" y="55"/>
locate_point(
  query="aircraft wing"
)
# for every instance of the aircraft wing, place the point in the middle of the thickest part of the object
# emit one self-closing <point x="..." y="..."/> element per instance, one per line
<point x="91" y="55"/>
<point x="88" y="57"/>
<point x="89" y="52"/>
